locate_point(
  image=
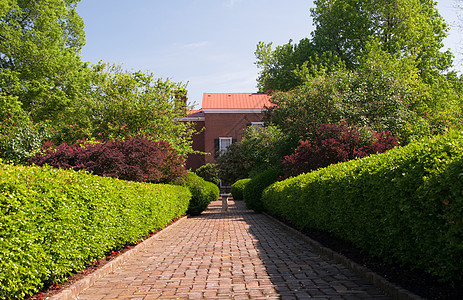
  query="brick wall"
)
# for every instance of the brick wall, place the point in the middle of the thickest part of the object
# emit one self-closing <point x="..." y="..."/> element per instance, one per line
<point x="195" y="161"/>
<point x="226" y="125"/>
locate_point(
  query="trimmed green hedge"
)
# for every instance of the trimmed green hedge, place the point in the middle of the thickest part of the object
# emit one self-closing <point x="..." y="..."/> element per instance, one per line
<point x="405" y="206"/>
<point x="238" y="187"/>
<point x="202" y="191"/>
<point x="55" y="222"/>
<point x="252" y="192"/>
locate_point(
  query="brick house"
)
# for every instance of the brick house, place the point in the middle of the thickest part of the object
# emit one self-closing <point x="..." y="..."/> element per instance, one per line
<point x="222" y="119"/>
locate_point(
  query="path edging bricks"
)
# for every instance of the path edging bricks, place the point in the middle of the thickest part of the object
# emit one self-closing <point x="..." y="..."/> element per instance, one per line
<point x="72" y="292"/>
<point x="378" y="281"/>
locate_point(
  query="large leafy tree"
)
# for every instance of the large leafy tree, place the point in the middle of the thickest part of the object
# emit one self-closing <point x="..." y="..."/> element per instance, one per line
<point x="407" y="29"/>
<point x="404" y="28"/>
<point x="280" y="66"/>
<point x="119" y="104"/>
<point x="44" y="81"/>
<point x="122" y="104"/>
<point x="40" y="66"/>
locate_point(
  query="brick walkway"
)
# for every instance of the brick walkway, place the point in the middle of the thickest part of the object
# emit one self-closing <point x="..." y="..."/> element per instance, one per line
<point x="230" y="255"/>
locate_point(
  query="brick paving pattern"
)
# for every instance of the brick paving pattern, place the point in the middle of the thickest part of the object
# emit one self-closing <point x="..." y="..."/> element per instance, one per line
<point x="236" y="254"/>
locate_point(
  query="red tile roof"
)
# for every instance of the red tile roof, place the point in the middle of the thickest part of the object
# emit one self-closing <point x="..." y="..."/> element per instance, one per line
<point x="239" y="101"/>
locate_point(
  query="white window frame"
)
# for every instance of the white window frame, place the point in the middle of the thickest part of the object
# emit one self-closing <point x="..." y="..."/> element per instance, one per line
<point x="257" y="124"/>
<point x="223" y="149"/>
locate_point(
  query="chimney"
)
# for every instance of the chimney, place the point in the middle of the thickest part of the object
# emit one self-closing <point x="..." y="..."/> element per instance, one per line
<point x="180" y="100"/>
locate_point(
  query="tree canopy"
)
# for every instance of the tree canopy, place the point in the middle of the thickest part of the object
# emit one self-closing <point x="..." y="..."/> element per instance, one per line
<point x="39" y="54"/>
<point x="48" y="92"/>
<point x="278" y="66"/>
<point x="344" y="30"/>
<point x="402" y="27"/>
<point x="369" y="63"/>
<point x="124" y="104"/>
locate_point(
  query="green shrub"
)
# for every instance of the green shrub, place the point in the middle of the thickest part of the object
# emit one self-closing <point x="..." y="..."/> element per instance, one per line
<point x="260" y="149"/>
<point x="209" y="172"/>
<point x="20" y="140"/>
<point x="252" y="192"/>
<point x="54" y="222"/>
<point x="202" y="191"/>
<point x="405" y="205"/>
<point x="238" y="187"/>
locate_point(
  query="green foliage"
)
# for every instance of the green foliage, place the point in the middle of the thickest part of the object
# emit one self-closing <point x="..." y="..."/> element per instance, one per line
<point x="434" y="105"/>
<point x="41" y="70"/>
<point x="368" y="63"/>
<point x="279" y="66"/>
<point x="124" y="104"/>
<point x="39" y="54"/>
<point x="20" y="140"/>
<point x="203" y="192"/>
<point x="238" y="188"/>
<point x="260" y="148"/>
<point x="209" y="172"/>
<point x="404" y="206"/>
<point x="233" y="164"/>
<point x="404" y="28"/>
<point x="54" y="222"/>
<point x="370" y="99"/>
<point x="253" y="190"/>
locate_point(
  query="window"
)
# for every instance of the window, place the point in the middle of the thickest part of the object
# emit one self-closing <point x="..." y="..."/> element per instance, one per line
<point x="257" y="124"/>
<point x="224" y="142"/>
<point x="221" y="144"/>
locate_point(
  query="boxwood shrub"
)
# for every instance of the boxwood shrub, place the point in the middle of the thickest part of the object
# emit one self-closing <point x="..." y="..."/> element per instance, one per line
<point x="202" y="191"/>
<point x="209" y="172"/>
<point x="238" y="187"/>
<point x="405" y="205"/>
<point x="54" y="222"/>
<point x="252" y="192"/>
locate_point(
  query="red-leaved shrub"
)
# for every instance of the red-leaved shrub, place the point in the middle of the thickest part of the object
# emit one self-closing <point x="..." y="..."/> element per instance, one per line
<point x="136" y="159"/>
<point x="334" y="143"/>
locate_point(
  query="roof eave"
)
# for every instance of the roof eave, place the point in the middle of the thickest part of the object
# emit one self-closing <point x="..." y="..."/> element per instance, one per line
<point x="233" y="110"/>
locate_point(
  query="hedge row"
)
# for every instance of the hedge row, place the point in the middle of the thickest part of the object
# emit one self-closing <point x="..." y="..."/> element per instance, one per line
<point x="202" y="193"/>
<point x="252" y="192"/>
<point x="238" y="188"/>
<point x="55" y="222"/>
<point x="405" y="205"/>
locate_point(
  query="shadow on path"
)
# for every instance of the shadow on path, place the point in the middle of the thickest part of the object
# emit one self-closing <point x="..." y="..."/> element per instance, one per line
<point x="296" y="270"/>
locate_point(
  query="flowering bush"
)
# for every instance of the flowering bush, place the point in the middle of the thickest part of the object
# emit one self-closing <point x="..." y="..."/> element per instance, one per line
<point x="136" y="159"/>
<point x="335" y="143"/>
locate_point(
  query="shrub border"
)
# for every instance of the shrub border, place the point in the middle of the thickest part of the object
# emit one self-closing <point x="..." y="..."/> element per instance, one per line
<point x="80" y="286"/>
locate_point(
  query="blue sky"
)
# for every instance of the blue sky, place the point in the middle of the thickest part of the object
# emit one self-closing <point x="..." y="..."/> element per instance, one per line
<point x="208" y="44"/>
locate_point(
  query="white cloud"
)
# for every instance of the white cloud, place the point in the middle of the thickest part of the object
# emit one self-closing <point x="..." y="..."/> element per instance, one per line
<point x="196" y="45"/>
